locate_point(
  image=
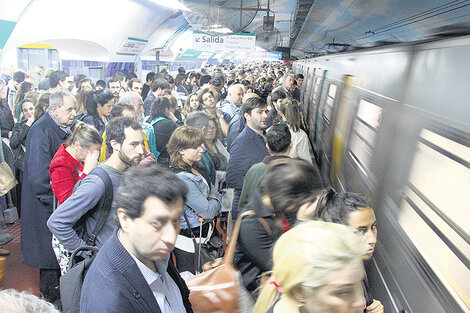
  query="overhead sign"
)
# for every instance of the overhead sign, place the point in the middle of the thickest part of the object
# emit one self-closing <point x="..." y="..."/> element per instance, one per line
<point x="274" y="55"/>
<point x="6" y="28"/>
<point x="131" y="46"/>
<point x="236" y="42"/>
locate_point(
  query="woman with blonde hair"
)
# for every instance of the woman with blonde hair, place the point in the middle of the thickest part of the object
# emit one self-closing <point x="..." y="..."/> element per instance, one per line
<point x="323" y="273"/>
<point x="289" y="111"/>
<point x="74" y="160"/>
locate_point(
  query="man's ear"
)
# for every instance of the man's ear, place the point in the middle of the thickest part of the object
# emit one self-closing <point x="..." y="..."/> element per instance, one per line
<point x="246" y="116"/>
<point x="115" y="145"/>
<point x="53" y="110"/>
<point x="124" y="220"/>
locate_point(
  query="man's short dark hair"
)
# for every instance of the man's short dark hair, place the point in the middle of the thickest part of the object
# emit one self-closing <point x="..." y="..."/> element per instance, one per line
<point x="299" y="76"/>
<point x="160" y="84"/>
<point x="101" y="83"/>
<point x="278" y="138"/>
<point x="140" y="183"/>
<point x="131" y="75"/>
<point x="205" y="79"/>
<point x="251" y="104"/>
<point x="120" y="107"/>
<point x="78" y="78"/>
<point x="119" y="75"/>
<point x="19" y="77"/>
<point x="150" y="77"/>
<point x="278" y="95"/>
<point x="215" y="82"/>
<point x="115" y="130"/>
<point x="113" y="80"/>
<point x="132" y="81"/>
<point x="56" y="77"/>
<point x="169" y="79"/>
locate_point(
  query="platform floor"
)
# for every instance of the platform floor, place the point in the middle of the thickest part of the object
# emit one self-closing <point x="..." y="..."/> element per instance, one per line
<point x="17" y="275"/>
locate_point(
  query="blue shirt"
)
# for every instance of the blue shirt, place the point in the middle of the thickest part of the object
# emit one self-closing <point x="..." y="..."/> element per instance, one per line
<point x="163" y="287"/>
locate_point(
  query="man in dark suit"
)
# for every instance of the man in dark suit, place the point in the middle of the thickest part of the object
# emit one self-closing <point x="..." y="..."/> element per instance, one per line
<point x="133" y="272"/>
<point x="248" y="148"/>
<point x="44" y="138"/>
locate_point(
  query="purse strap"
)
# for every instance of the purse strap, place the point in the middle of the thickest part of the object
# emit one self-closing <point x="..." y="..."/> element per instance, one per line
<point x="228" y="258"/>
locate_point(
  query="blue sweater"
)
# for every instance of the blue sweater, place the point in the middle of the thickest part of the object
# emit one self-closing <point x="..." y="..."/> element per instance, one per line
<point x="247" y="149"/>
<point x="83" y="199"/>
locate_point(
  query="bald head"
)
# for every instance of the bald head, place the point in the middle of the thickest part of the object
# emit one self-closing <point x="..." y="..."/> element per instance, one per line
<point x="235" y="94"/>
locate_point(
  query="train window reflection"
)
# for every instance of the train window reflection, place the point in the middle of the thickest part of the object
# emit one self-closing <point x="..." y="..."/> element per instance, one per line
<point x="364" y="133"/>
<point x="369" y="113"/>
<point x="435" y="212"/>
<point x="330" y="99"/>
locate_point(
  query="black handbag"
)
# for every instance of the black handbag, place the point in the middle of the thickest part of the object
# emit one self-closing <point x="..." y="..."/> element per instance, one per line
<point x="207" y="251"/>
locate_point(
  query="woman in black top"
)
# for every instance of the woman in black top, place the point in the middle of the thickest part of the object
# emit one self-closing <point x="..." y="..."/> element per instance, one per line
<point x="20" y="131"/>
<point x="99" y="104"/>
<point x="287" y="194"/>
<point x="164" y="123"/>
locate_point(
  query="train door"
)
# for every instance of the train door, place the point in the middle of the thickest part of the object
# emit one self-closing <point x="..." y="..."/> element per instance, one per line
<point x="313" y="120"/>
<point x="364" y="131"/>
<point x="342" y="125"/>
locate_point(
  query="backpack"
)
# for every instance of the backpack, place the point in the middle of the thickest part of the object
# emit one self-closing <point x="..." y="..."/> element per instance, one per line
<point x="149" y="130"/>
<point x="71" y="282"/>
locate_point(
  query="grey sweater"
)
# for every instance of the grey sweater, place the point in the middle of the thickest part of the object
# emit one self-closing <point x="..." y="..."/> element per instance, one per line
<point x="83" y="199"/>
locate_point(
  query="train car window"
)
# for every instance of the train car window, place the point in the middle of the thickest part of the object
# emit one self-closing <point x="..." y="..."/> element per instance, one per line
<point x="362" y="140"/>
<point x="330" y="100"/>
<point x="435" y="211"/>
<point x="316" y="90"/>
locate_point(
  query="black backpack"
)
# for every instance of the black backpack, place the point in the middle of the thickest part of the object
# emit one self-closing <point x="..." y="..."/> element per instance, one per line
<point x="71" y="282"/>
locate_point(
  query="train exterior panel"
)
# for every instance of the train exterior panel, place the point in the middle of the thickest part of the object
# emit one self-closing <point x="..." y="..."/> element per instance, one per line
<point x="393" y="123"/>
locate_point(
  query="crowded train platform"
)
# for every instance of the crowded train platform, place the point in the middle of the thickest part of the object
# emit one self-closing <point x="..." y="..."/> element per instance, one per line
<point x="192" y="167"/>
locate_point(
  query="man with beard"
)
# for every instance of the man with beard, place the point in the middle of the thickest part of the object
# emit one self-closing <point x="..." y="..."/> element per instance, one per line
<point x="125" y="141"/>
<point x="114" y="85"/>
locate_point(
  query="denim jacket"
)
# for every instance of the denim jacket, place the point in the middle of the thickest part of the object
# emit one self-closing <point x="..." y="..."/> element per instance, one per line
<point x="198" y="199"/>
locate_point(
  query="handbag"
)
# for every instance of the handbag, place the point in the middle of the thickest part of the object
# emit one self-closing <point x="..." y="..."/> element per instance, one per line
<point x="204" y="249"/>
<point x="221" y="290"/>
<point x="7" y="179"/>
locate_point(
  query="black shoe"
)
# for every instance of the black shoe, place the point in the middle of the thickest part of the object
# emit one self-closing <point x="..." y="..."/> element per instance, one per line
<point x="5" y="238"/>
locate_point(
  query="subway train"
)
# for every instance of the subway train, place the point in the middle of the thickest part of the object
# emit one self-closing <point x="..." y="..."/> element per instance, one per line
<point x="393" y="123"/>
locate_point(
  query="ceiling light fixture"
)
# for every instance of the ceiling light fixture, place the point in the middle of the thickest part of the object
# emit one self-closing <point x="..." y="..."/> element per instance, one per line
<point x="172" y="4"/>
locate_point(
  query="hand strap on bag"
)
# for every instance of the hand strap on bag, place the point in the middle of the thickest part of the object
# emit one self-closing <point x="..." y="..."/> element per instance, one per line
<point x="228" y="258"/>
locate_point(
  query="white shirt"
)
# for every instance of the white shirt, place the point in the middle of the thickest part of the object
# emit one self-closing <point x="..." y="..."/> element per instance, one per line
<point x="164" y="289"/>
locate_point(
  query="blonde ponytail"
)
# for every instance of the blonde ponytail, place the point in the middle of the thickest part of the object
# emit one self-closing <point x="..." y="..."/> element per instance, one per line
<point x="86" y="135"/>
<point x="320" y="248"/>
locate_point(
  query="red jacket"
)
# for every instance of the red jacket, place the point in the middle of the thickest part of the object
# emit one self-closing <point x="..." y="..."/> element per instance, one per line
<point x="63" y="173"/>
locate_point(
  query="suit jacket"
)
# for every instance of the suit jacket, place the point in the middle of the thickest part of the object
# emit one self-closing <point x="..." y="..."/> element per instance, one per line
<point x="247" y="149"/>
<point x="115" y="284"/>
<point x="43" y="140"/>
<point x="148" y="103"/>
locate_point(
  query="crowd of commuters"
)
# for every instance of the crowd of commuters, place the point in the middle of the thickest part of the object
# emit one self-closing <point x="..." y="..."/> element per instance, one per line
<point x="164" y="157"/>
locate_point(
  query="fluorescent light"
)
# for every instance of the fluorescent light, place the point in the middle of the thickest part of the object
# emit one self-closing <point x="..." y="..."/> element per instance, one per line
<point x="220" y="29"/>
<point x="172" y="4"/>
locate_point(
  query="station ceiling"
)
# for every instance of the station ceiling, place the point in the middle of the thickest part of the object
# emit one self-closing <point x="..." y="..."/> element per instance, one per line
<point x="90" y="29"/>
